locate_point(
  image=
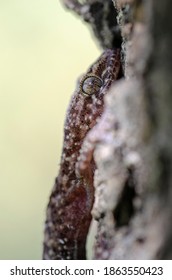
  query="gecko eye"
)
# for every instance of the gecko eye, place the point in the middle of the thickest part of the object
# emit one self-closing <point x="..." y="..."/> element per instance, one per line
<point x="91" y="84"/>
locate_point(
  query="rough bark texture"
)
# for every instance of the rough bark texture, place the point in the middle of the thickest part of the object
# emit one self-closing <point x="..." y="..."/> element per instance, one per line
<point x="133" y="150"/>
<point x="133" y="155"/>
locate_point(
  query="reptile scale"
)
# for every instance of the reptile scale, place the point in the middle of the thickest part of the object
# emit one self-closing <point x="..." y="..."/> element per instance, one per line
<point x="71" y="201"/>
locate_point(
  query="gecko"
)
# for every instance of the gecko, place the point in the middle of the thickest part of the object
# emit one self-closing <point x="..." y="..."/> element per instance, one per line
<point x="68" y="213"/>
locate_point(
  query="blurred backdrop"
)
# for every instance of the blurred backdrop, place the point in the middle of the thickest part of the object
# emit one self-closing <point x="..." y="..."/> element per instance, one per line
<point x="43" y="49"/>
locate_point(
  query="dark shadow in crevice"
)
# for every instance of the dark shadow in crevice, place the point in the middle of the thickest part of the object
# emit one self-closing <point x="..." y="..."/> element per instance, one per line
<point x="125" y="208"/>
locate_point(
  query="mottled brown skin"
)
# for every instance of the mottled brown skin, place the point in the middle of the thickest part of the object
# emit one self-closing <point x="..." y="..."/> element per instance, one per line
<point x="69" y="209"/>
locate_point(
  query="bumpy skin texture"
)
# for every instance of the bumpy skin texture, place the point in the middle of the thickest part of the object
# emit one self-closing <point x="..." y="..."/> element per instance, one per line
<point x="71" y="201"/>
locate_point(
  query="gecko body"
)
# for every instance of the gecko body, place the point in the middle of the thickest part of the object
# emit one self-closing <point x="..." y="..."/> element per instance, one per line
<point x="69" y="208"/>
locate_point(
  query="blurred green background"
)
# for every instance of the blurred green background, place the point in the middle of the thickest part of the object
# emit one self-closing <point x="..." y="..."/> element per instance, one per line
<point x="43" y="49"/>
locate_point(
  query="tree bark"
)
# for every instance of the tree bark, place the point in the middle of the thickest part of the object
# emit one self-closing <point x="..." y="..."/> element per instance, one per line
<point x="133" y="152"/>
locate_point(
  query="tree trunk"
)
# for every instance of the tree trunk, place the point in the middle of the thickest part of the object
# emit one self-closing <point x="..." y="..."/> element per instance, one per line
<point x="133" y="152"/>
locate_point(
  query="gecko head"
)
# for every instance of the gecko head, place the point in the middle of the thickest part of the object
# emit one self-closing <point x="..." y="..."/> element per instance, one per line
<point x="90" y="84"/>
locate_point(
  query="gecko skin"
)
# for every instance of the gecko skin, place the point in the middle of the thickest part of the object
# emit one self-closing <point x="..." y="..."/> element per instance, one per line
<point x="69" y="209"/>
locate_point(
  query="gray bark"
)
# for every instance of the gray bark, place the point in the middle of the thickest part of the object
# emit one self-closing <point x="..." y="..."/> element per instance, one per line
<point x="133" y="152"/>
